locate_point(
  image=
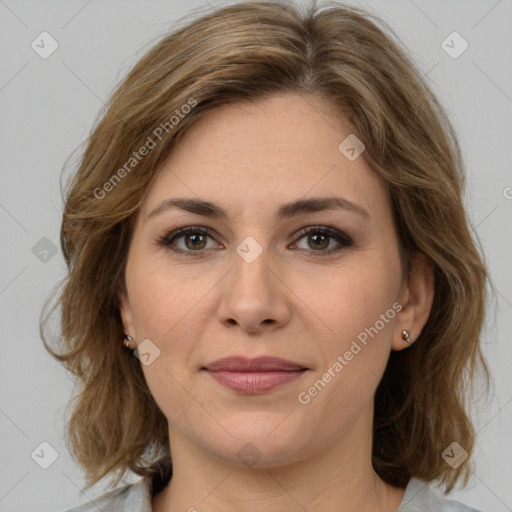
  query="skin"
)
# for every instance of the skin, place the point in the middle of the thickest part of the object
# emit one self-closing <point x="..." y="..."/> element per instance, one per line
<point x="291" y="302"/>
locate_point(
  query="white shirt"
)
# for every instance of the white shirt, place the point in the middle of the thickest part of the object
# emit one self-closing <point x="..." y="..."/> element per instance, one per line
<point x="418" y="497"/>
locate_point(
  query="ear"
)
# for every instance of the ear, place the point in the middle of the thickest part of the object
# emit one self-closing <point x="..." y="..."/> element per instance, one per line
<point x="126" y="313"/>
<point x="416" y="298"/>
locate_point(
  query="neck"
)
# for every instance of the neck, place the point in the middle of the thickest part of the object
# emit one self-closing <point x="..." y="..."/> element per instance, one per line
<point x="339" y="477"/>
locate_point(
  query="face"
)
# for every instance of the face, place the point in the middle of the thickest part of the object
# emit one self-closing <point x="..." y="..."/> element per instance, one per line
<point x="254" y="283"/>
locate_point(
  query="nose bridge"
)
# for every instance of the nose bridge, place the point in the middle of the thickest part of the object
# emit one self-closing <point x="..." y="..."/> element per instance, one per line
<point x="253" y="295"/>
<point x="252" y="264"/>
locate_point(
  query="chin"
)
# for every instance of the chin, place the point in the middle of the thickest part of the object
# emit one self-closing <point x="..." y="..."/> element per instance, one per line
<point x="257" y="444"/>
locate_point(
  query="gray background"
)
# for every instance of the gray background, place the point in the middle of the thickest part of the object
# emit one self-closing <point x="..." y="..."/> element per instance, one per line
<point x="48" y="106"/>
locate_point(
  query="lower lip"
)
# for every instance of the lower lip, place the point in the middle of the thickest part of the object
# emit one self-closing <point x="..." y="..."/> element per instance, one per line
<point x="253" y="383"/>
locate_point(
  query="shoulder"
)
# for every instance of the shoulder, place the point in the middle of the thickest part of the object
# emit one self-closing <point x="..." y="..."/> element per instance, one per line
<point x="128" y="498"/>
<point x="419" y="497"/>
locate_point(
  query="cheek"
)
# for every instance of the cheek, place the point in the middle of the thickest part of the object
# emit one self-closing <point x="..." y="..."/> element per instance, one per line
<point x="166" y="311"/>
<point x="159" y="295"/>
<point x="359" y="312"/>
<point x="356" y="298"/>
<point x="168" y="308"/>
<point x="359" y="309"/>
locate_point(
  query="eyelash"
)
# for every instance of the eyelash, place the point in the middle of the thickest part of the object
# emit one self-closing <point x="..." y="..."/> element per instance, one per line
<point x="168" y="240"/>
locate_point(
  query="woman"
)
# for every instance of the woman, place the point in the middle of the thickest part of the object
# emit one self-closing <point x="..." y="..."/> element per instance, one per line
<point x="272" y="279"/>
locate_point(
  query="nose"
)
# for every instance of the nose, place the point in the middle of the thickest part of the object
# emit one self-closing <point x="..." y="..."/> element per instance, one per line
<point x="254" y="295"/>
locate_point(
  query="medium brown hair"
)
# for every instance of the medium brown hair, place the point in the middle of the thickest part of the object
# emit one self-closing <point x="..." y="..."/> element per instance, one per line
<point x="243" y="53"/>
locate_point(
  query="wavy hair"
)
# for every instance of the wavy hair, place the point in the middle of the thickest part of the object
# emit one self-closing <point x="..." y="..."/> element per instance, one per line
<point x="243" y="53"/>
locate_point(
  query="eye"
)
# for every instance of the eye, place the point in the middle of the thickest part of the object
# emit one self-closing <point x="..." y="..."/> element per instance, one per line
<point x="318" y="238"/>
<point x="195" y="240"/>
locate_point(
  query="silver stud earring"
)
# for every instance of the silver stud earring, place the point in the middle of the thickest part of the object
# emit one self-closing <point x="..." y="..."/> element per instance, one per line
<point x="406" y="336"/>
<point x="127" y="340"/>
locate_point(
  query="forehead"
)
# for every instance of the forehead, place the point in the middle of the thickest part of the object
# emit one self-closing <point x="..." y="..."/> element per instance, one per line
<point x="278" y="149"/>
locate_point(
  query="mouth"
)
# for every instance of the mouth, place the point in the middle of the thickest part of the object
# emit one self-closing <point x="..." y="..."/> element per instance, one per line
<point x="253" y="376"/>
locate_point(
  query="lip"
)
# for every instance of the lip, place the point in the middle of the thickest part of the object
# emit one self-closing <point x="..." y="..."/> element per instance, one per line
<point x="254" y="376"/>
<point x="257" y="364"/>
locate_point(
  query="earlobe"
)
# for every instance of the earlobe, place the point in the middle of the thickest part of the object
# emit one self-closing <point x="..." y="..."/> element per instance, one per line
<point x="416" y="299"/>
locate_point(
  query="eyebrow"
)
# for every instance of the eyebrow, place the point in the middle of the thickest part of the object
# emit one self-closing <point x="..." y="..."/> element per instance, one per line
<point x="288" y="210"/>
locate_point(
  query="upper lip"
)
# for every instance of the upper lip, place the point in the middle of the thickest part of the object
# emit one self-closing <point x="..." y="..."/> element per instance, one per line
<point x="258" y="364"/>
